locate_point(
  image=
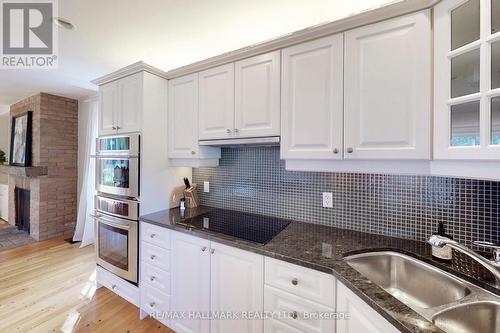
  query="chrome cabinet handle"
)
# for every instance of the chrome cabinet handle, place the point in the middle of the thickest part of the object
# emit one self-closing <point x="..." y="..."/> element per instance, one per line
<point x="152" y="235"/>
<point x="236" y="130"/>
<point x="113" y="287"/>
<point x="212" y="251"/>
<point x="193" y="152"/>
<point x="295" y="282"/>
<point x="152" y="304"/>
<point x="153" y="257"/>
<point x="152" y="278"/>
<point x="228" y="131"/>
<point x="118" y="127"/>
<point x="113" y="127"/>
<point x="350" y="150"/>
<point x="294" y="315"/>
<point x="203" y="249"/>
<point x="335" y="151"/>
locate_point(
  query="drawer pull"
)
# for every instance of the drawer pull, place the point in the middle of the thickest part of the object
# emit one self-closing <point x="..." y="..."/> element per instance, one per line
<point x="203" y="249"/>
<point x="153" y="257"/>
<point x="212" y="251"/>
<point x="152" y="304"/>
<point x="295" y="282"/>
<point x="152" y="235"/>
<point x="294" y="315"/>
<point x="113" y="287"/>
<point x="152" y="278"/>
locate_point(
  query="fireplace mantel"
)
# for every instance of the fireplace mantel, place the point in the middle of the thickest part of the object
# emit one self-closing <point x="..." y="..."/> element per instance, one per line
<point x="30" y="172"/>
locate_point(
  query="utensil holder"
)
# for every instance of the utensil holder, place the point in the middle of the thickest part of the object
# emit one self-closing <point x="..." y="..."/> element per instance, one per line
<point x="191" y="196"/>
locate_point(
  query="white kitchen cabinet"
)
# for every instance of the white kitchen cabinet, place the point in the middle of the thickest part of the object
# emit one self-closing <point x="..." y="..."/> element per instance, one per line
<point x="312" y="100"/>
<point x="130" y="96"/>
<point x="121" y="105"/>
<point x="108" y="108"/>
<point x="362" y="318"/>
<point x="190" y="276"/>
<point x="257" y="96"/>
<point x="183" y="122"/>
<point x="387" y="85"/>
<point x="237" y="281"/>
<point x="467" y="81"/>
<point x="216" y="103"/>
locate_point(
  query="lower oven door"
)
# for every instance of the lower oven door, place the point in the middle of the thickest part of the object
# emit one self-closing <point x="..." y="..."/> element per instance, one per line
<point x="117" y="246"/>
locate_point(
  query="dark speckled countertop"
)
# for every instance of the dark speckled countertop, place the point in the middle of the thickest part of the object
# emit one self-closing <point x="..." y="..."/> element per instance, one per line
<point x="323" y="248"/>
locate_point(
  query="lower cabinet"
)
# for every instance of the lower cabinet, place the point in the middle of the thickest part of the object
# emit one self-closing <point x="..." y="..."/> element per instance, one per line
<point x="211" y="278"/>
<point x="190" y="283"/>
<point x="361" y="317"/>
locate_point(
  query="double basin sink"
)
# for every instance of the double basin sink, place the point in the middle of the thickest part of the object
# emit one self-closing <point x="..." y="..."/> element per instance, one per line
<point x="452" y="304"/>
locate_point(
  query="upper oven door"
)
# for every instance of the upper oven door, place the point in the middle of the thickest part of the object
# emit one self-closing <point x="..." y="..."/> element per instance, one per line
<point x="123" y="208"/>
<point x="118" y="175"/>
<point x="118" y="145"/>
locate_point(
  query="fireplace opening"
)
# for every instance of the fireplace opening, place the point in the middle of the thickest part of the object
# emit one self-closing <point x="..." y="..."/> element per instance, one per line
<point x="22" y="202"/>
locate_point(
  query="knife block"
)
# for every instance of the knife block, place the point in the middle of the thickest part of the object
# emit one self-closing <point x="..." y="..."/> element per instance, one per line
<point x="191" y="196"/>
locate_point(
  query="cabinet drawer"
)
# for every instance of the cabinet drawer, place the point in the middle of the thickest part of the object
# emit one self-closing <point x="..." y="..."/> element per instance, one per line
<point x="275" y="326"/>
<point x="155" y="256"/>
<point x="153" y="300"/>
<point x="294" y="311"/>
<point x="155" y="235"/>
<point x="117" y="285"/>
<point x="316" y="286"/>
<point x="155" y="277"/>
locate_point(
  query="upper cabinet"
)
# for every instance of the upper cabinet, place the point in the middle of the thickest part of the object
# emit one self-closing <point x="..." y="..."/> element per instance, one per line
<point x="120" y="105"/>
<point x="387" y="89"/>
<point x="216" y="103"/>
<point x="241" y="99"/>
<point x="257" y="96"/>
<point x="183" y="117"/>
<point x="183" y="124"/>
<point x="312" y="100"/>
<point x="467" y="79"/>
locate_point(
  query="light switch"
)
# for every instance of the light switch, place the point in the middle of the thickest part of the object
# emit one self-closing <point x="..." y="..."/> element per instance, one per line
<point x="206" y="187"/>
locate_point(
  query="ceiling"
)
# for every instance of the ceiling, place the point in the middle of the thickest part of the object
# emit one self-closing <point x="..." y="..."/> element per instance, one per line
<point x="164" y="33"/>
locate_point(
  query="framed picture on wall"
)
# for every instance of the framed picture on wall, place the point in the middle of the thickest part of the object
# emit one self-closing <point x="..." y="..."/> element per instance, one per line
<point x="20" y="140"/>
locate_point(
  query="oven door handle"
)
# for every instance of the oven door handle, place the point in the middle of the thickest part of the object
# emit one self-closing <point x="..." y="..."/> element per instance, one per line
<point x="115" y="156"/>
<point x="100" y="218"/>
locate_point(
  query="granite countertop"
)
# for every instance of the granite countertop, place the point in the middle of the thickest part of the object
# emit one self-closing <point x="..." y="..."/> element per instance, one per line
<point x="323" y="248"/>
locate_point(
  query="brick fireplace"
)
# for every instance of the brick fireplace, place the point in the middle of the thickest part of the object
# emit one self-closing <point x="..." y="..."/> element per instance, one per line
<point x="53" y="185"/>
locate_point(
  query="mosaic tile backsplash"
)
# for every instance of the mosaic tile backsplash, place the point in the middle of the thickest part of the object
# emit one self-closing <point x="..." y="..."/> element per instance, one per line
<point x="255" y="180"/>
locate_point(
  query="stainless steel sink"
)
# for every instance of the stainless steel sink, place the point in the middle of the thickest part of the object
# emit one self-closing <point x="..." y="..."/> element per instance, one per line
<point x="477" y="317"/>
<point x="413" y="282"/>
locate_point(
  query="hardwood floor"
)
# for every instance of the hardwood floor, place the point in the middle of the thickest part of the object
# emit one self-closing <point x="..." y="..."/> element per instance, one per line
<point x="50" y="287"/>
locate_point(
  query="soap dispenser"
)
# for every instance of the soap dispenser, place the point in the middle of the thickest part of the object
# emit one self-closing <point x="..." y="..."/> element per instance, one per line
<point x="442" y="253"/>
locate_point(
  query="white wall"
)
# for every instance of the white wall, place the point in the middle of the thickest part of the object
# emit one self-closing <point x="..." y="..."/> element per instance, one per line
<point x="4" y="141"/>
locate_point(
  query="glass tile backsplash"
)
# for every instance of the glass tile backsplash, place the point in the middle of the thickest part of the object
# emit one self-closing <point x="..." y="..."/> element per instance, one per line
<point x="255" y="180"/>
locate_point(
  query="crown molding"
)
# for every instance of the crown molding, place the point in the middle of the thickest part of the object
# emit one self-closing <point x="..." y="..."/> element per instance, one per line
<point x="136" y="67"/>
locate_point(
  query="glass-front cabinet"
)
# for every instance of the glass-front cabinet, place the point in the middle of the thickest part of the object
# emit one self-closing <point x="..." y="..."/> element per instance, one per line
<point x="467" y="79"/>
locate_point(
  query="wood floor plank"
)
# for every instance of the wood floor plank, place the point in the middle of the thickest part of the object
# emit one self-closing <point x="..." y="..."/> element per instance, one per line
<point x="50" y="287"/>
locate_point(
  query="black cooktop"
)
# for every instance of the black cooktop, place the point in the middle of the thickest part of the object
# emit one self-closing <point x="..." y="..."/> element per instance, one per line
<point x="251" y="227"/>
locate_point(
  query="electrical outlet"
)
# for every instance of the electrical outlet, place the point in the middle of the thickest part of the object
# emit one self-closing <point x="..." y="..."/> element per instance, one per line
<point x="206" y="187"/>
<point x="328" y="199"/>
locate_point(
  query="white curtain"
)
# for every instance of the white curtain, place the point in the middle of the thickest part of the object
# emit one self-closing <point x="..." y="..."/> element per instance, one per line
<point x="84" y="230"/>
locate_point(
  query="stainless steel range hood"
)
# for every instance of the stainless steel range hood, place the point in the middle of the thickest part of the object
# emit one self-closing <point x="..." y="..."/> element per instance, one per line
<point x="265" y="141"/>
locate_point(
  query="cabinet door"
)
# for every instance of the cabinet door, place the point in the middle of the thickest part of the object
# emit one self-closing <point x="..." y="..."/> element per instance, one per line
<point x="183" y="117"/>
<point x="388" y="89"/>
<point x="362" y="318"/>
<point x="216" y="103"/>
<point x="130" y="103"/>
<point x="312" y="102"/>
<point x="108" y="106"/>
<point x="237" y="282"/>
<point x="190" y="274"/>
<point x="257" y="96"/>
